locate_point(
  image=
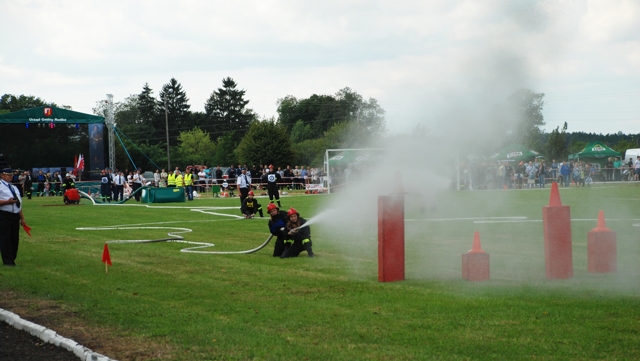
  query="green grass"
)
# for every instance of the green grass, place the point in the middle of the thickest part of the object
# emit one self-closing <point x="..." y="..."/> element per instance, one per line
<point x="256" y="307"/>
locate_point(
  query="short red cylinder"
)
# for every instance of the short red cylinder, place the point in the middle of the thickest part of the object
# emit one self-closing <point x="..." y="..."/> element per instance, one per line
<point x="391" y="238"/>
<point x="602" y="251"/>
<point x="475" y="266"/>
<point x="558" y="254"/>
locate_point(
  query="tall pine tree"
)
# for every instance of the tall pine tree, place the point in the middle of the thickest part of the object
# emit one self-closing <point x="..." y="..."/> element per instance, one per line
<point x="227" y="112"/>
<point x="177" y="108"/>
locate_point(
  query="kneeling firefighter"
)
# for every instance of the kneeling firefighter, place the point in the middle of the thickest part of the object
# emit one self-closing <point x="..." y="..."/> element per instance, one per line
<point x="300" y="235"/>
<point x="250" y="206"/>
<point x="277" y="223"/>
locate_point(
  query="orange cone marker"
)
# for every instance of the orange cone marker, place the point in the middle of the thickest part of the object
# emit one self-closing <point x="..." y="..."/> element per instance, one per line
<point x="556" y="220"/>
<point x="475" y="263"/>
<point x="602" y="248"/>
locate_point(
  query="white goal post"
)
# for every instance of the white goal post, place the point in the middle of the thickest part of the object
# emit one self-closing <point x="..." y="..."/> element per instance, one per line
<point x="330" y="154"/>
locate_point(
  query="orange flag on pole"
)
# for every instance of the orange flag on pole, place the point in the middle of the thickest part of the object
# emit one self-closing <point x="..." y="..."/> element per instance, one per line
<point x="106" y="258"/>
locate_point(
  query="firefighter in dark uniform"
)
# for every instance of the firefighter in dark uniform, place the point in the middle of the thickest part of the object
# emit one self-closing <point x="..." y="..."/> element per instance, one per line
<point x="68" y="183"/>
<point x="11" y="217"/>
<point x="28" y="184"/>
<point x="277" y="224"/>
<point x="301" y="236"/>
<point x="105" y="186"/>
<point x="250" y="206"/>
<point x="57" y="180"/>
<point x="272" y="179"/>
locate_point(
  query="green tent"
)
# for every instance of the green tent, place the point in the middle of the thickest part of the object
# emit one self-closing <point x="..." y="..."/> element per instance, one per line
<point x="596" y="151"/>
<point x="515" y="153"/>
<point x="50" y="115"/>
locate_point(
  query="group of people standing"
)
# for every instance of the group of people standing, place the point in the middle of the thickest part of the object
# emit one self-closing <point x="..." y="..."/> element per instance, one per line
<point x="43" y="184"/>
<point x="116" y="186"/>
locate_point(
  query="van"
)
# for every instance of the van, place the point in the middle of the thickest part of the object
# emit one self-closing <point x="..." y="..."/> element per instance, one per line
<point x="631" y="153"/>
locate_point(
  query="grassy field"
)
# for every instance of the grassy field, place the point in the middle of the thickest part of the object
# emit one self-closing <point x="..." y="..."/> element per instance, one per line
<point x="256" y="307"/>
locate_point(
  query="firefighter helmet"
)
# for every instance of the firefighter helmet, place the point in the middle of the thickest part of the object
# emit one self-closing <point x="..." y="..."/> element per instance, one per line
<point x="271" y="206"/>
<point x="292" y="211"/>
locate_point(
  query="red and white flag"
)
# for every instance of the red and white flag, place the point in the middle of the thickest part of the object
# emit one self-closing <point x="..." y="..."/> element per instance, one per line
<point x="79" y="166"/>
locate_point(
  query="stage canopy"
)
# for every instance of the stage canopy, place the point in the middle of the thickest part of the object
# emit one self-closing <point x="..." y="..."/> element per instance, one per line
<point x="50" y="115"/>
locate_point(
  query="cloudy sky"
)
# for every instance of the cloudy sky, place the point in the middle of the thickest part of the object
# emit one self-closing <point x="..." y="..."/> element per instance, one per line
<point x="417" y="58"/>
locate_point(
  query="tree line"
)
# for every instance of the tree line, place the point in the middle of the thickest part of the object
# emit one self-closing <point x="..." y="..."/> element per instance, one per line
<point x="230" y="132"/>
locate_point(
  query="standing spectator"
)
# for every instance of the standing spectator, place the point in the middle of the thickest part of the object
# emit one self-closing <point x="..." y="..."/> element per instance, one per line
<point x="576" y="174"/>
<point x="179" y="179"/>
<point x="15" y="180"/>
<point x="202" y="180"/>
<point x="553" y="170"/>
<point x="608" y="167"/>
<point x="188" y="183"/>
<point x="304" y="175"/>
<point x="28" y="184"/>
<point x="296" y="177"/>
<point x="218" y="175"/>
<point x="118" y="186"/>
<point x="520" y="169"/>
<point x="156" y="178"/>
<point x="636" y="169"/>
<point x="21" y="178"/>
<point x="531" y="174"/>
<point x="287" y="175"/>
<point x="171" y="179"/>
<point x="542" y="172"/>
<point x="163" y="178"/>
<point x="11" y="217"/>
<point x="138" y="181"/>
<point x="40" y="179"/>
<point x="617" y="169"/>
<point x="244" y="185"/>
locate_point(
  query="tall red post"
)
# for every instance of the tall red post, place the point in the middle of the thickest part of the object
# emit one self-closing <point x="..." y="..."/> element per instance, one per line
<point x="391" y="235"/>
<point x="602" y="248"/>
<point x="556" y="220"/>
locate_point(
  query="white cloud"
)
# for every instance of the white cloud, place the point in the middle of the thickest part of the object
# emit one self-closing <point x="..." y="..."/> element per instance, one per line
<point x="417" y="58"/>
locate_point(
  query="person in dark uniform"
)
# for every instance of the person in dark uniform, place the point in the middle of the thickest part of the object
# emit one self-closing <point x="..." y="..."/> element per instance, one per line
<point x="300" y="235"/>
<point x="105" y="186"/>
<point x="40" y="179"/>
<point x="250" y="206"/>
<point x="272" y="179"/>
<point x="28" y="184"/>
<point x="57" y="181"/>
<point x="68" y="182"/>
<point x="277" y="224"/>
<point x="15" y="180"/>
<point x="11" y="217"/>
<point x="244" y="185"/>
<point x="118" y="183"/>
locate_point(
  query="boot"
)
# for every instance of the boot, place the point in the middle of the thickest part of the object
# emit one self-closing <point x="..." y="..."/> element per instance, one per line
<point x="307" y="247"/>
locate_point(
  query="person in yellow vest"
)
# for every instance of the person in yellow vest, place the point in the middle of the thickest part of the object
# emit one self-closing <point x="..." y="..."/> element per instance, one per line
<point x="171" y="180"/>
<point x="188" y="184"/>
<point x="179" y="179"/>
